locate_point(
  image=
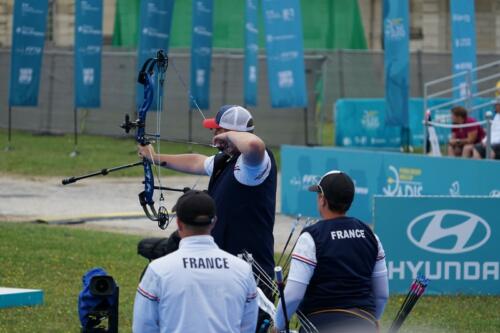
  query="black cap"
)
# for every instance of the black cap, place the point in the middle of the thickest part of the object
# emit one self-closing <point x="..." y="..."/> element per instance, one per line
<point x="338" y="189"/>
<point x="195" y="208"/>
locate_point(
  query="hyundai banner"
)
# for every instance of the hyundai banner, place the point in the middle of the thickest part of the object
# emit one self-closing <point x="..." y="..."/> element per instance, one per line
<point x="88" y="49"/>
<point x="454" y="241"/>
<point x="28" y="38"/>
<point x="201" y="53"/>
<point x="380" y="173"/>
<point x="463" y="46"/>
<point x="285" y="53"/>
<point x="251" y="53"/>
<point x="154" y="34"/>
<point x="396" y="61"/>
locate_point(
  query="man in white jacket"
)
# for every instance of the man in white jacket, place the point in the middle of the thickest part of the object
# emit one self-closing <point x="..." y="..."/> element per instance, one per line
<point x="198" y="288"/>
<point x="480" y="148"/>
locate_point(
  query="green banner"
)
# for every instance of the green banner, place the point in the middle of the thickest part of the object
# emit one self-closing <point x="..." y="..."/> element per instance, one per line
<point x="327" y="24"/>
<point x="126" y="29"/>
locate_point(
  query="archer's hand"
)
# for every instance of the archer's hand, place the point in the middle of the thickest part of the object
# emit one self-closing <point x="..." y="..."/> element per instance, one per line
<point x="224" y="143"/>
<point x="146" y="152"/>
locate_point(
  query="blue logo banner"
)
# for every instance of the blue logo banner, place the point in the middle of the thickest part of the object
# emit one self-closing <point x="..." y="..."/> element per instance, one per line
<point x="251" y="52"/>
<point x="361" y="122"/>
<point x="285" y="53"/>
<point x="463" y="45"/>
<point x="380" y="173"/>
<point x="396" y="61"/>
<point x="454" y="241"/>
<point x="201" y="52"/>
<point x="28" y="37"/>
<point x="88" y="49"/>
<point x="154" y="34"/>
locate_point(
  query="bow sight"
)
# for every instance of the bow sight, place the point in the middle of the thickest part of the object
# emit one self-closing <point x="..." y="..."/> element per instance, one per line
<point x="128" y="125"/>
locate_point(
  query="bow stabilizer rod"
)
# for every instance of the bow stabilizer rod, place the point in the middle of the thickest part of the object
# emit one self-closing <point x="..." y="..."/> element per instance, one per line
<point x="103" y="172"/>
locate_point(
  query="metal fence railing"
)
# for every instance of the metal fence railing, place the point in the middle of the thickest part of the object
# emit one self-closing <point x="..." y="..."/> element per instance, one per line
<point x="477" y="95"/>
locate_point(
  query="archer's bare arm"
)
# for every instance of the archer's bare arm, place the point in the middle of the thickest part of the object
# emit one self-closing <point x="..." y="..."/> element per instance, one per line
<point x="248" y="144"/>
<point x="187" y="163"/>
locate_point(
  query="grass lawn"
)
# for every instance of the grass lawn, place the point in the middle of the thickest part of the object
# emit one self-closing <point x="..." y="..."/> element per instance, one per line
<point x="54" y="258"/>
<point x="48" y="155"/>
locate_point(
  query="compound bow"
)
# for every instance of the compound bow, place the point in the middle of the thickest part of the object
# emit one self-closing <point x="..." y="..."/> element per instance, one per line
<point x="146" y="78"/>
<point x="152" y="67"/>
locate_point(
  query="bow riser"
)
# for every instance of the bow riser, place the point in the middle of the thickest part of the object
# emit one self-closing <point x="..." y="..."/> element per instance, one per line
<point x="147" y="78"/>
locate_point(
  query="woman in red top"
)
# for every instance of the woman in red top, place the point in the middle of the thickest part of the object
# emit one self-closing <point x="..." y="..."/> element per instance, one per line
<point x="464" y="138"/>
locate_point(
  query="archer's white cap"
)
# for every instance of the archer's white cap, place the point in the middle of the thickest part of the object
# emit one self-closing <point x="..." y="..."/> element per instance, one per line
<point x="231" y="117"/>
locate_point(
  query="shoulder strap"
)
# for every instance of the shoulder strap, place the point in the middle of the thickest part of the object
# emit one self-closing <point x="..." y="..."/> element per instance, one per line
<point x="221" y="160"/>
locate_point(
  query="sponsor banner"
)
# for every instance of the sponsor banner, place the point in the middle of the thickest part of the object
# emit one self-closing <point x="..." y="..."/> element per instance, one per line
<point x="28" y="38"/>
<point x="396" y="61"/>
<point x="88" y="48"/>
<point x="285" y="53"/>
<point x="454" y="241"/>
<point x="463" y="45"/>
<point x="361" y="122"/>
<point x="201" y="52"/>
<point x="251" y="52"/>
<point x="380" y="173"/>
<point x="154" y="34"/>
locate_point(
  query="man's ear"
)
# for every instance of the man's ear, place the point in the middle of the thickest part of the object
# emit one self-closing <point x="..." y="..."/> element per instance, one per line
<point x="180" y="226"/>
<point x="324" y="202"/>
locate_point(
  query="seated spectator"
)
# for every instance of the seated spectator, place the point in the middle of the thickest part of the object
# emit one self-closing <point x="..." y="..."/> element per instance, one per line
<point x="480" y="148"/>
<point x="463" y="139"/>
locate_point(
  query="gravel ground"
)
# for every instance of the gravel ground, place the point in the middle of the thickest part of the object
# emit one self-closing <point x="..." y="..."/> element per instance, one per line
<point x="99" y="202"/>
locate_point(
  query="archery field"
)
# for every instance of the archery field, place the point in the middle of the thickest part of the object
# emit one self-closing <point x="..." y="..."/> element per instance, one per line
<point x="51" y="235"/>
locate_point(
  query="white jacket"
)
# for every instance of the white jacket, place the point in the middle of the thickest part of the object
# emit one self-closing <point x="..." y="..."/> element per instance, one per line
<point x="198" y="288"/>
